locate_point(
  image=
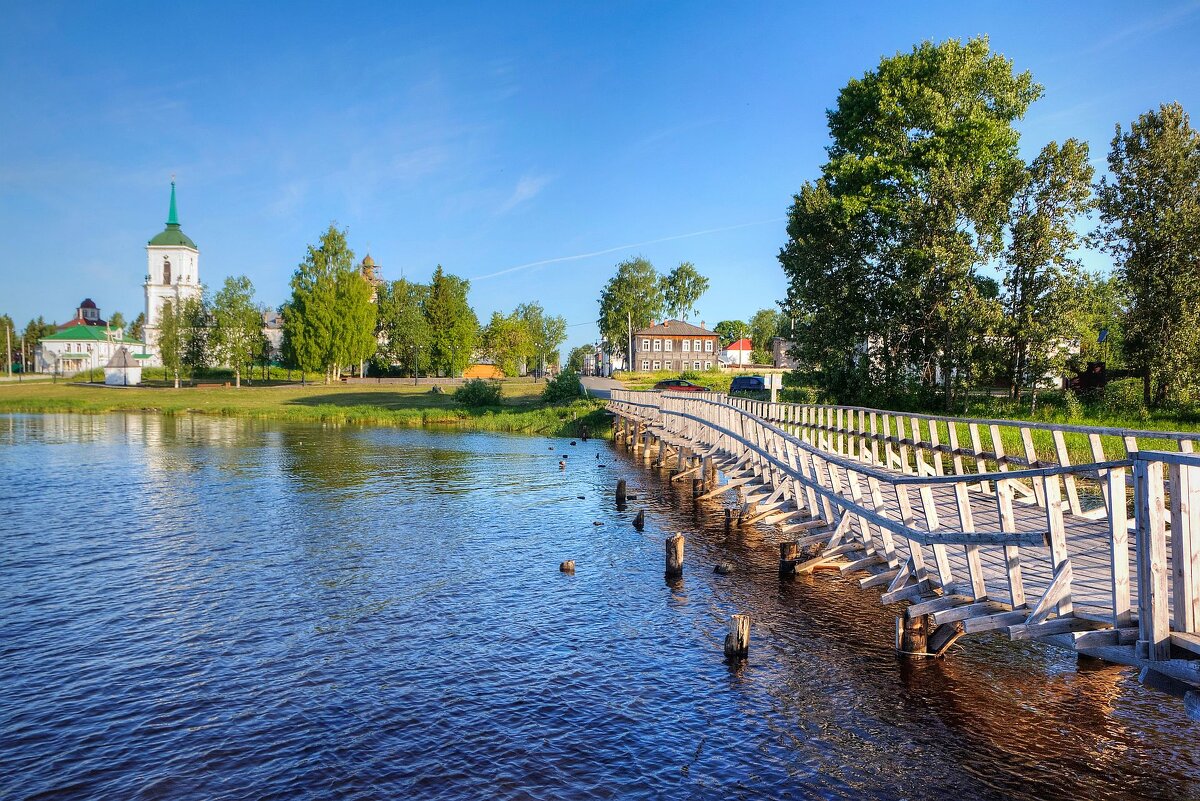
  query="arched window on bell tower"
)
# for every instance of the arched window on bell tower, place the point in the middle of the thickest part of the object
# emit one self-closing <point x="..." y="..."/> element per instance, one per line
<point x="166" y="270"/>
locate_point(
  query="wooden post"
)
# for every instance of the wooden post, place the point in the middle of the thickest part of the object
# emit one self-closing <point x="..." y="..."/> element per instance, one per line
<point x="639" y="522"/>
<point x="728" y="520"/>
<point x="697" y="487"/>
<point x="1153" y="622"/>
<point x="567" y="566"/>
<point x="737" y="641"/>
<point x="914" y="635"/>
<point x="621" y="490"/>
<point x="674" y="548"/>
<point x="789" y="555"/>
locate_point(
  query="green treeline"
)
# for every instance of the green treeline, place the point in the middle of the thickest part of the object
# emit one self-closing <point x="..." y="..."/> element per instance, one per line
<point x="929" y="257"/>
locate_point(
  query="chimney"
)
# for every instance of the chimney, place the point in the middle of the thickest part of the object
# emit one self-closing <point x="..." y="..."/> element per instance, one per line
<point x="702" y="325"/>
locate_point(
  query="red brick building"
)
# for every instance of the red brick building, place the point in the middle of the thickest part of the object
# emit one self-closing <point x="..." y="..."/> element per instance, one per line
<point x="674" y="345"/>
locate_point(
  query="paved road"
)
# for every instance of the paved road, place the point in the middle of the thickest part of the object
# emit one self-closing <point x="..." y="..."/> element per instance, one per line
<point x="599" y="387"/>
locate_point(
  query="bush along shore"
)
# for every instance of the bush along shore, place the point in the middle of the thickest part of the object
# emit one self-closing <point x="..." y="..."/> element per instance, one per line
<point x="520" y="408"/>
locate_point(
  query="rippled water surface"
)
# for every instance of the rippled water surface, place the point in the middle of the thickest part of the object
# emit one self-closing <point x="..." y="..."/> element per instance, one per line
<point x="202" y="608"/>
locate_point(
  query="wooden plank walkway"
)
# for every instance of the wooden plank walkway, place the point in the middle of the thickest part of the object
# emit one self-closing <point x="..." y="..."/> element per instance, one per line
<point x="936" y="513"/>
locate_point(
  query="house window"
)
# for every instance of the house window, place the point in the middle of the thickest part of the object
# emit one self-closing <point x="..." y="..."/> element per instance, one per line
<point x="695" y="365"/>
<point x="166" y="270"/>
<point x="696" y="346"/>
<point x="657" y="345"/>
<point x="687" y="345"/>
<point x="668" y="365"/>
<point x="645" y="365"/>
<point x="708" y="346"/>
<point x="667" y="345"/>
<point x="658" y="365"/>
<point x="645" y="344"/>
<point x="708" y="365"/>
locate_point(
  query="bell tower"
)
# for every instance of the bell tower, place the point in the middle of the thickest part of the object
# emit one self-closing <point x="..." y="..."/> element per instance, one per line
<point x="172" y="270"/>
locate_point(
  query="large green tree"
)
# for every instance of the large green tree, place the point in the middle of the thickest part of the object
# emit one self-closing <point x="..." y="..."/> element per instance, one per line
<point x="1150" y="223"/>
<point x="1042" y="276"/>
<point x="454" y="328"/>
<point x="884" y="248"/>
<point x="402" y="325"/>
<point x="577" y="358"/>
<point x="170" y="340"/>
<point x="236" y="326"/>
<point x="329" y="320"/>
<point x="547" y="332"/>
<point x="730" y="331"/>
<point x="508" y="341"/>
<point x="138" y="327"/>
<point x="632" y="299"/>
<point x="682" y="288"/>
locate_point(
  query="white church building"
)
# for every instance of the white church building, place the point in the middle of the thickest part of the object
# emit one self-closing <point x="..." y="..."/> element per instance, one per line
<point x="172" y="274"/>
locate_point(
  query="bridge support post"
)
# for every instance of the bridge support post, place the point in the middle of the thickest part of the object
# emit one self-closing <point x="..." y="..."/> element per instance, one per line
<point x="789" y="555"/>
<point x="912" y="635"/>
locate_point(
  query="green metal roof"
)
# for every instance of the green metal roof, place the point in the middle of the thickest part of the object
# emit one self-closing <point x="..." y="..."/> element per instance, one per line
<point x="87" y="333"/>
<point x="173" y="235"/>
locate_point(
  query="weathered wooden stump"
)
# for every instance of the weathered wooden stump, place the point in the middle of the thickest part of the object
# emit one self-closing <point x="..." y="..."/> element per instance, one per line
<point x="697" y="487"/>
<point x="567" y="566"/>
<point x="913" y="635"/>
<point x="674" y="555"/>
<point x="728" y="520"/>
<point x="639" y="522"/>
<point x="621" y="490"/>
<point x="723" y="568"/>
<point x="737" y="641"/>
<point x="789" y="555"/>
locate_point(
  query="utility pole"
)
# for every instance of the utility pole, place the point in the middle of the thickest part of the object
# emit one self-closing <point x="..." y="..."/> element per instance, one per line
<point x="8" y="348"/>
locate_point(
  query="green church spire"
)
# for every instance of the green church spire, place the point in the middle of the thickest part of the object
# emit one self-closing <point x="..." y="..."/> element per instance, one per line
<point x="173" y="216"/>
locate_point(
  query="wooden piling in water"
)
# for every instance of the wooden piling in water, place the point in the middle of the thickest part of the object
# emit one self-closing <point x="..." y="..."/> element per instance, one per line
<point x="639" y="522"/>
<point x="674" y="555"/>
<point x="621" y="490"/>
<point x="737" y="641"/>
<point x="914" y="635"/>
<point x="789" y="555"/>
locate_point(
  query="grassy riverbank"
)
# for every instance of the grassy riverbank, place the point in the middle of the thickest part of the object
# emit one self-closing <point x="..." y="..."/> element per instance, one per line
<point x="391" y="404"/>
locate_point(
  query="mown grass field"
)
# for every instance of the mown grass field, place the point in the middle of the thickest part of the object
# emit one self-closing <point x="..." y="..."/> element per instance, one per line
<point x="392" y="404"/>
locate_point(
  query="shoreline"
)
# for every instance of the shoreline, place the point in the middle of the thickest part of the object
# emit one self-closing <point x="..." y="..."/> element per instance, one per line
<point x="406" y="407"/>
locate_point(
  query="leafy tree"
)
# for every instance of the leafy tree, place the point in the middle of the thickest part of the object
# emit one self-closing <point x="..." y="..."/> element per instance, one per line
<point x="138" y="327"/>
<point x="116" y="320"/>
<point x="402" y="325"/>
<point x="170" y="342"/>
<point x="330" y="320"/>
<point x="682" y="288"/>
<point x="1150" y="223"/>
<point x="631" y="300"/>
<point x="730" y="331"/>
<point x="454" y="328"/>
<point x="237" y="326"/>
<point x="764" y="326"/>
<point x="546" y="334"/>
<point x="507" y="340"/>
<point x="353" y="320"/>
<point x="195" y="321"/>
<point x="883" y="249"/>
<point x="1041" y="276"/>
<point x="577" y="358"/>
<point x="8" y="333"/>
<point x="36" y="329"/>
<point x="1101" y="308"/>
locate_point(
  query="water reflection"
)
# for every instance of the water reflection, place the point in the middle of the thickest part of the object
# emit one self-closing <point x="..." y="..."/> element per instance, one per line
<point x="205" y="607"/>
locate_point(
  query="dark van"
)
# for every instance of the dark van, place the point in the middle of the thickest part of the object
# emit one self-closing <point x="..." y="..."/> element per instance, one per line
<point x="747" y="383"/>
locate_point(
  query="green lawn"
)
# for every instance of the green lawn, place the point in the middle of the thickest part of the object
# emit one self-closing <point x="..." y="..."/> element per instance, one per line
<point x="393" y="404"/>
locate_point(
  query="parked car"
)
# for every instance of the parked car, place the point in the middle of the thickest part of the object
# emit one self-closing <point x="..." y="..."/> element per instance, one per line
<point x="747" y="383"/>
<point x="679" y="385"/>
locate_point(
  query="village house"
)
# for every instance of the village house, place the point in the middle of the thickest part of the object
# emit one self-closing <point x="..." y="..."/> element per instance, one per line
<point x="674" y="345"/>
<point x="84" y="343"/>
<point x="738" y="354"/>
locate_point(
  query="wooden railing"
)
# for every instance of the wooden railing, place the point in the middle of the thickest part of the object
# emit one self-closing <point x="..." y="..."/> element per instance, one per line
<point x="880" y="479"/>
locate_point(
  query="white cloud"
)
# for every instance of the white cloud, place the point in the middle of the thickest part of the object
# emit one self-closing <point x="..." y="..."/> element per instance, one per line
<point x="529" y="187"/>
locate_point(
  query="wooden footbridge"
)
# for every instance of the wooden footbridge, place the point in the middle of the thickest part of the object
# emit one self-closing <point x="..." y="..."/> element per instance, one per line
<point x="978" y="525"/>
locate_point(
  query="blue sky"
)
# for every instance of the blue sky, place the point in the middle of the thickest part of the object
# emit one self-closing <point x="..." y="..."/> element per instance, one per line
<point x="499" y="140"/>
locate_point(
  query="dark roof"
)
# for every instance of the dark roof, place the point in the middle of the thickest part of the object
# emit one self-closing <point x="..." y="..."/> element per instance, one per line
<point x="88" y="303"/>
<point x="674" y="328"/>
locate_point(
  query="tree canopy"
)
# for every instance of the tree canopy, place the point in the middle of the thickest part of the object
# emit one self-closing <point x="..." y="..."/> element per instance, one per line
<point x="236" y="326"/>
<point x="631" y="300"/>
<point x="682" y="288"/>
<point x="454" y="328"/>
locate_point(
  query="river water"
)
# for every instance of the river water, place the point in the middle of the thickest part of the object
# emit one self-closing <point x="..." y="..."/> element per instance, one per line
<point x="204" y="608"/>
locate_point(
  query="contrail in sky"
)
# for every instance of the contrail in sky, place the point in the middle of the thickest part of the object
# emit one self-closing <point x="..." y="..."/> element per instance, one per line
<point x="579" y="256"/>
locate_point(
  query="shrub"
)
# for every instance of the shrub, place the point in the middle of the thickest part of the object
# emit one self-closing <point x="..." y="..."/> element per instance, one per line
<point x="563" y="387"/>
<point x="1072" y="405"/>
<point x="1123" y="398"/>
<point x="478" y="392"/>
